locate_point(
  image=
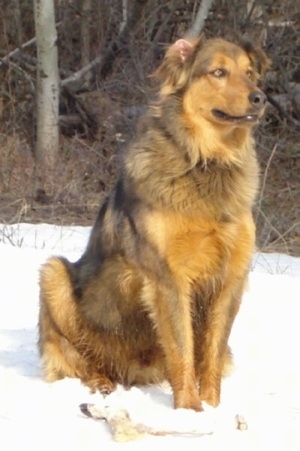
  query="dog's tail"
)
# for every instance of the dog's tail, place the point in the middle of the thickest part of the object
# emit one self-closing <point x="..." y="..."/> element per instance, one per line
<point x="59" y="321"/>
<point x="56" y="292"/>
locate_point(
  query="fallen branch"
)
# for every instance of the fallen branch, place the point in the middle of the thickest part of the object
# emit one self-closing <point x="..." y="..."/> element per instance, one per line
<point x="123" y="429"/>
<point x="79" y="74"/>
<point x="19" y="49"/>
<point x="69" y="120"/>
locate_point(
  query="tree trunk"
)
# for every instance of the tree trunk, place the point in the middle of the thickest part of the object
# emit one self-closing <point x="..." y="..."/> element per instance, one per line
<point x="199" y="21"/>
<point x="86" y="16"/>
<point x="47" y="93"/>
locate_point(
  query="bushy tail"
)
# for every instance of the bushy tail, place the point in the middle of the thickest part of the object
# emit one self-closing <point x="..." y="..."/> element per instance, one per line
<point x="59" y="322"/>
<point x="56" y="293"/>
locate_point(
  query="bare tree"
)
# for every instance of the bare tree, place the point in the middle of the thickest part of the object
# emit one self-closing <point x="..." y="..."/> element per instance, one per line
<point x="47" y="91"/>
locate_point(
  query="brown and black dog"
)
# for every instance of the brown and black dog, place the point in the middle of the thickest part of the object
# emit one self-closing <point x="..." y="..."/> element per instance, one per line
<point x="156" y="292"/>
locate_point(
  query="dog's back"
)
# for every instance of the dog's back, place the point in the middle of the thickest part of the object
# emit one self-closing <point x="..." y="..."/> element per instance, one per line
<point x="156" y="292"/>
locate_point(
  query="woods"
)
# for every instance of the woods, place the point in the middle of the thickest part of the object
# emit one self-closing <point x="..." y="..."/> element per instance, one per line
<point x="105" y="52"/>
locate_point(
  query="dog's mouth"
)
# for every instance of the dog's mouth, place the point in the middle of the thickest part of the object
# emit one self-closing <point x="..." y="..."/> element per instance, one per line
<point x="221" y="115"/>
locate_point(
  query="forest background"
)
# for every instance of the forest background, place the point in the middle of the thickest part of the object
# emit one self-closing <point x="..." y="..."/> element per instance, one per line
<point x="106" y="51"/>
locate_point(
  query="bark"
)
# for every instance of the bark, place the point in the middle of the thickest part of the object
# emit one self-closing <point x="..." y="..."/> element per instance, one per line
<point x="201" y="16"/>
<point x="47" y="90"/>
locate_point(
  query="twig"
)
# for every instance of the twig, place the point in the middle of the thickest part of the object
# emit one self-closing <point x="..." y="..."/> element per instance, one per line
<point x="280" y="236"/>
<point x="21" y="72"/>
<point x="264" y="181"/>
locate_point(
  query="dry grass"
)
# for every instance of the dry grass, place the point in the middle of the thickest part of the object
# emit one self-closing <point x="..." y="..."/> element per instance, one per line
<point x="84" y="173"/>
<point x="278" y="208"/>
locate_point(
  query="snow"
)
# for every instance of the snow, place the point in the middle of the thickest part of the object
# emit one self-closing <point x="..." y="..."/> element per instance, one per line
<point x="264" y="387"/>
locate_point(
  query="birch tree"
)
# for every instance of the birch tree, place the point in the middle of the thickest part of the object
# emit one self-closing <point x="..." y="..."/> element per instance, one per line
<point x="47" y="91"/>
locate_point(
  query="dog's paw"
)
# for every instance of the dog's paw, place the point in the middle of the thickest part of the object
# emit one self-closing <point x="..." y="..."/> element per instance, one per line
<point x="100" y="383"/>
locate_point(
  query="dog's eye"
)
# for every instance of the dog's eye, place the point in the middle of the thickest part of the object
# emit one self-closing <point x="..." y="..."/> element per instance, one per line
<point x="219" y="73"/>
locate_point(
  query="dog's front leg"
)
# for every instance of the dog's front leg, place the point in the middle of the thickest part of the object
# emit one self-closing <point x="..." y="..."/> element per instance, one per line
<point x="172" y="317"/>
<point x="215" y="348"/>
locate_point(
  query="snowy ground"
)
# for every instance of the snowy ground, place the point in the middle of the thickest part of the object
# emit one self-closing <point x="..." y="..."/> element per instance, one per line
<point x="264" y="388"/>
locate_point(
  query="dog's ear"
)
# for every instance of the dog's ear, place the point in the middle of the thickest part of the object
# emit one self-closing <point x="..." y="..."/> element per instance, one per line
<point x="258" y="58"/>
<point x="175" y="68"/>
<point x="182" y="48"/>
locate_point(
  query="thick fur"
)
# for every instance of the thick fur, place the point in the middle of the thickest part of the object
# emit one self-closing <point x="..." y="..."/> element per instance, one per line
<point x="156" y="292"/>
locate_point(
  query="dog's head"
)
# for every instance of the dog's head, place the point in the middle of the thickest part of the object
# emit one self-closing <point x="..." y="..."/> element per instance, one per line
<point x="218" y="80"/>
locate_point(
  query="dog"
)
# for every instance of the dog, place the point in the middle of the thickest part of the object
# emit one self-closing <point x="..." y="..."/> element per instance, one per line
<point x="155" y="294"/>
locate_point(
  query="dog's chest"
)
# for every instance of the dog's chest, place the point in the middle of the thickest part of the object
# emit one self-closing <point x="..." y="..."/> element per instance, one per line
<point x="191" y="246"/>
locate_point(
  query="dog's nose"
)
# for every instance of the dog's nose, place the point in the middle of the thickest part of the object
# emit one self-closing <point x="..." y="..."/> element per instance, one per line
<point x="257" y="99"/>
